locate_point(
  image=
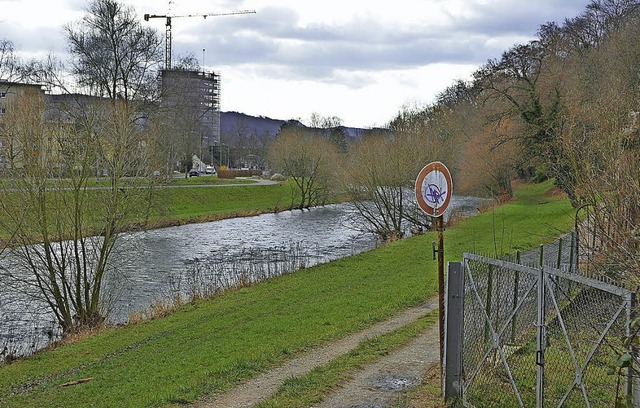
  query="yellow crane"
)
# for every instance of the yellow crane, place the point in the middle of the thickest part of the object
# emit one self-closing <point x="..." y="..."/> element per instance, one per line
<point x="167" y="55"/>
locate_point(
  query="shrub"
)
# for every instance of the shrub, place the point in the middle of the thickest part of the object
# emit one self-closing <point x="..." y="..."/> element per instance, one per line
<point x="229" y="174"/>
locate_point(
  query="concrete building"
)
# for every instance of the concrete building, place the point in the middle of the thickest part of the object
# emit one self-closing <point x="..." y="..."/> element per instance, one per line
<point x="12" y="95"/>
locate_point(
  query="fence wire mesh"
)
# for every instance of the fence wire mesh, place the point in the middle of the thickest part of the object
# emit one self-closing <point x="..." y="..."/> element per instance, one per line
<point x="583" y="321"/>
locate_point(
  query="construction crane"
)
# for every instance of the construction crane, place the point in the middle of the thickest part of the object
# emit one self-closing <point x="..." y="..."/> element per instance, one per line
<point x="167" y="55"/>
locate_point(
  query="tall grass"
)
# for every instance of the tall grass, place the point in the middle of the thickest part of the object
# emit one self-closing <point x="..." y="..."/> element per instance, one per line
<point x="204" y="279"/>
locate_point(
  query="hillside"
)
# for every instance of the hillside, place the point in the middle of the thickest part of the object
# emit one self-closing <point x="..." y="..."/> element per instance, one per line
<point x="233" y="124"/>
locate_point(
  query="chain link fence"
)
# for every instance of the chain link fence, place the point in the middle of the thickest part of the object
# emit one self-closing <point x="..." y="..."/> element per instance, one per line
<point x="533" y="332"/>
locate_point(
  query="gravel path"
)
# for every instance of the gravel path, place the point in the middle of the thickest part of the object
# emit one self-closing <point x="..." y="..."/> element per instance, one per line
<point x="380" y="384"/>
<point x="260" y="388"/>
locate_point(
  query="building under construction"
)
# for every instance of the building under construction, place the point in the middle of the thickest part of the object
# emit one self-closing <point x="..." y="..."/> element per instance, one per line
<point x="192" y="101"/>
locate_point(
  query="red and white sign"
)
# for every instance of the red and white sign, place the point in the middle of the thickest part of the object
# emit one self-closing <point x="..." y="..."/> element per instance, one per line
<point x="434" y="189"/>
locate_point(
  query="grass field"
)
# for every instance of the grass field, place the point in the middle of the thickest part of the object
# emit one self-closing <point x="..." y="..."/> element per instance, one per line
<point x="206" y="202"/>
<point x="200" y="199"/>
<point x="208" y="346"/>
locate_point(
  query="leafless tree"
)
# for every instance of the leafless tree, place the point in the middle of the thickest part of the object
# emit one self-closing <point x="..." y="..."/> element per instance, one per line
<point x="602" y="138"/>
<point x="9" y="62"/>
<point x="309" y="159"/>
<point x="382" y="169"/>
<point x="63" y="230"/>
<point x="331" y="127"/>
<point x="114" y="55"/>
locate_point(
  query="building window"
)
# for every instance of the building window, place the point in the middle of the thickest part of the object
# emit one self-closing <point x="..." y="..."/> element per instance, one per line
<point x="3" y="94"/>
<point x="3" y="110"/>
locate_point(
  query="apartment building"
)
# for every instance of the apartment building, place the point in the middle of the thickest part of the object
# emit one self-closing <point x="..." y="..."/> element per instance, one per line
<point x="10" y="95"/>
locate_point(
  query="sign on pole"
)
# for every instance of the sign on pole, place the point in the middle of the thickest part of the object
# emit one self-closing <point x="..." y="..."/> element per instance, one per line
<point x="434" y="189"/>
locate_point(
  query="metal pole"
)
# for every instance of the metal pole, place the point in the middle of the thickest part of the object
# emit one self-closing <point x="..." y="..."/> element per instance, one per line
<point x="440" y="229"/>
<point x="630" y="377"/>
<point x="559" y="263"/>
<point x="516" y="293"/>
<point x="452" y="378"/>
<point x="540" y="339"/>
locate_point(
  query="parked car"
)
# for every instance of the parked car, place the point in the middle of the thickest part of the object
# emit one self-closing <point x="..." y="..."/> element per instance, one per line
<point x="193" y="172"/>
<point x="210" y="170"/>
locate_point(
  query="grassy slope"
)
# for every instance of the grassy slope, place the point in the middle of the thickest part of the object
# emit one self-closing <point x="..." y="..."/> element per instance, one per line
<point x="190" y="203"/>
<point x="209" y="346"/>
<point x="193" y="204"/>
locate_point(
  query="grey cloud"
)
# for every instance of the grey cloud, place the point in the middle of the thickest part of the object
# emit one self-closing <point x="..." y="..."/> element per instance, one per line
<point x="274" y="37"/>
<point x="34" y="40"/>
<point x="274" y="41"/>
<point x="319" y="51"/>
<point x="515" y="16"/>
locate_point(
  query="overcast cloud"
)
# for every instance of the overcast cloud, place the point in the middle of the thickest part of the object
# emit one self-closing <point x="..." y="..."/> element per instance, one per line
<point x="360" y="61"/>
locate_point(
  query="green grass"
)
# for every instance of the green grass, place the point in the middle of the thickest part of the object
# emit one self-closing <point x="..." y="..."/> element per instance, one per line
<point x="207" y="347"/>
<point x="535" y="217"/>
<point x="206" y="180"/>
<point x="193" y="203"/>
<point x="106" y="182"/>
<point x="496" y="391"/>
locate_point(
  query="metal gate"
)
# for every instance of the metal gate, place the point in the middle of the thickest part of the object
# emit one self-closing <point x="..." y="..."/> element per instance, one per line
<point x="519" y="335"/>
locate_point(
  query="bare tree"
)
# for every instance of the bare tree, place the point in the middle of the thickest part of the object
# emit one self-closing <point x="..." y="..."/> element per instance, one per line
<point x="377" y="181"/>
<point x="309" y="159"/>
<point x="489" y="160"/>
<point x="332" y="129"/>
<point x="188" y="62"/>
<point x="382" y="170"/>
<point x="114" y="55"/>
<point x="602" y="138"/>
<point x="9" y="62"/>
<point x="64" y="231"/>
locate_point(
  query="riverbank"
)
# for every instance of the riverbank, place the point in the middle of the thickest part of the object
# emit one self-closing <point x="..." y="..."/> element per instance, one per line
<point x="208" y="347"/>
<point x="178" y="205"/>
<point x="205" y="199"/>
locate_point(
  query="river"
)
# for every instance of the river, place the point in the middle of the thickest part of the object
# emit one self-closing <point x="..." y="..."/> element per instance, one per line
<point x="151" y="265"/>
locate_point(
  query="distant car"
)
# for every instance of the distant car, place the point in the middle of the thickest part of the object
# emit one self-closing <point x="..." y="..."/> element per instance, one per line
<point x="193" y="172"/>
<point x="210" y="170"/>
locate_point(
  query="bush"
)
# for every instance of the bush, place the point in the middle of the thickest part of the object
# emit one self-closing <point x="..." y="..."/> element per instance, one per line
<point x="229" y="174"/>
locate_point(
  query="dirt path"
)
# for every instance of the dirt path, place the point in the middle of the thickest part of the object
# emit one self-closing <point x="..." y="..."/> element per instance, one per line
<point x="258" y="389"/>
<point x="380" y="384"/>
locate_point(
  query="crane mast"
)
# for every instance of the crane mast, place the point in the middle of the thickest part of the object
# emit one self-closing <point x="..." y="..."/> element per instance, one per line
<point x="167" y="50"/>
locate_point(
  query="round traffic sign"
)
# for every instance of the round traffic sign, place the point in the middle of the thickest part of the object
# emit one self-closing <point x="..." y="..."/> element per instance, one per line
<point x="434" y="188"/>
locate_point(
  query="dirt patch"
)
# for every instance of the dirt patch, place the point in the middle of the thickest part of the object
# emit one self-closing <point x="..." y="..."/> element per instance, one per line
<point x="384" y="382"/>
<point x="555" y="192"/>
<point x="428" y="394"/>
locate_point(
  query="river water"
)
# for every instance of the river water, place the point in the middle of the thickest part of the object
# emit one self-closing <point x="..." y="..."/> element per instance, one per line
<point x="151" y="265"/>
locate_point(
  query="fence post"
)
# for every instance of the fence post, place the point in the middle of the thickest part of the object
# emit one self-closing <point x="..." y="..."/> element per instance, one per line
<point x="516" y="287"/>
<point x="559" y="263"/>
<point x="541" y="258"/>
<point x="540" y="338"/>
<point x="573" y="247"/>
<point x="488" y="305"/>
<point x="632" y="382"/>
<point x="454" y="320"/>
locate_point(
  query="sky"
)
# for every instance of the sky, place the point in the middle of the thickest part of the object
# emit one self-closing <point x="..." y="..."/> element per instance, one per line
<point x="360" y="61"/>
